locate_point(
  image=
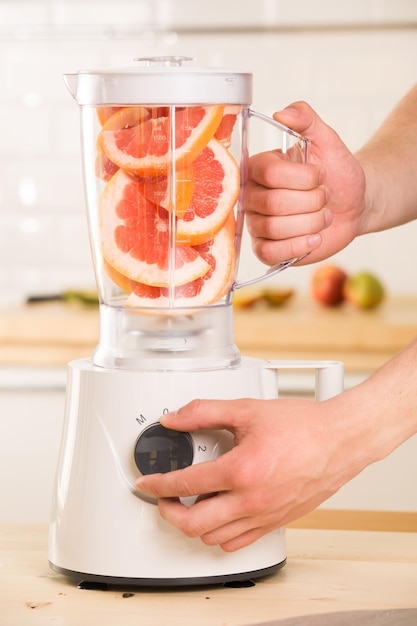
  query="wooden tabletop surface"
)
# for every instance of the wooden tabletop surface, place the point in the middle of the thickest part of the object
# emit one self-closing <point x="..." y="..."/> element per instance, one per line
<point x="327" y="571"/>
<point x="54" y="333"/>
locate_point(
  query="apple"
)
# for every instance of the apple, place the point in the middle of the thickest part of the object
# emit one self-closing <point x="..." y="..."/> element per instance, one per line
<point x="364" y="290"/>
<point x="327" y="285"/>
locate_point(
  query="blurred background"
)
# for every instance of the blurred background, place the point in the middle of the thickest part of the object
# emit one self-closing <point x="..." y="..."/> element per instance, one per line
<point x="352" y="60"/>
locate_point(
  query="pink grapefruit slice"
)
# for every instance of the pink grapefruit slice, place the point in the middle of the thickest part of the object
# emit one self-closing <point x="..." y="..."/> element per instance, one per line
<point x="115" y="119"/>
<point x="104" y="168"/>
<point x="125" y="118"/>
<point x="173" y="193"/>
<point x="208" y="289"/>
<point x="215" y="192"/>
<point x="136" y="237"/>
<point x="105" y="112"/>
<point x="227" y="124"/>
<point x="146" y="148"/>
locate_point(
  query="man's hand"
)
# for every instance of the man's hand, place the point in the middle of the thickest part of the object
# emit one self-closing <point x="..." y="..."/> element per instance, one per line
<point x="279" y="469"/>
<point x="298" y="208"/>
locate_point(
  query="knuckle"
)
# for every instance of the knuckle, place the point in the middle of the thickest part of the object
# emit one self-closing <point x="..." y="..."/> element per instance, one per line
<point x="191" y="528"/>
<point x="209" y="539"/>
<point x="264" y="251"/>
<point x="242" y="477"/>
<point x="182" y="518"/>
<point x="195" y="405"/>
<point x="229" y="547"/>
<point x="273" y="203"/>
<point x="182" y="485"/>
<point x="317" y="198"/>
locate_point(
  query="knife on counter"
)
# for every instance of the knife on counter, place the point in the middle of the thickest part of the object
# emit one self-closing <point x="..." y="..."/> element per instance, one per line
<point x="82" y="296"/>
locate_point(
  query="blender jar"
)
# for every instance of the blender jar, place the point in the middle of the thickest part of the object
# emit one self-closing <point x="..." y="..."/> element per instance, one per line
<point x="164" y="159"/>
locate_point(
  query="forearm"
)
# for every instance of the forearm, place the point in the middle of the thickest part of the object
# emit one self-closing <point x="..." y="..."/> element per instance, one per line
<point x="389" y="160"/>
<point x="377" y="416"/>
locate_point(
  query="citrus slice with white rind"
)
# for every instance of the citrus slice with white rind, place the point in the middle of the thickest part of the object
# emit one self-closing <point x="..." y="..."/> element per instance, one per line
<point x="215" y="192"/>
<point x="136" y="237"/>
<point x="208" y="289"/>
<point x="150" y="146"/>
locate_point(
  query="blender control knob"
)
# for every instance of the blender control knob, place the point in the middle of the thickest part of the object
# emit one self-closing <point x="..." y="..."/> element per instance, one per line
<point x="160" y="449"/>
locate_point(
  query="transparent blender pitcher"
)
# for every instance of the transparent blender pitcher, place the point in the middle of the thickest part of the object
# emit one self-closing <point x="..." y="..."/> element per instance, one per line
<point x="165" y="155"/>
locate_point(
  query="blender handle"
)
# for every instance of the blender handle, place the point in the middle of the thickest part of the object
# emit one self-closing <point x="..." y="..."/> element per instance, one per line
<point x="329" y="375"/>
<point x="275" y="269"/>
<point x="285" y="129"/>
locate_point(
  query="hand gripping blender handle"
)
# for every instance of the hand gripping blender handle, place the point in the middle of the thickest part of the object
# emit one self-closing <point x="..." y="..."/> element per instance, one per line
<point x="329" y="375"/>
<point x="297" y="148"/>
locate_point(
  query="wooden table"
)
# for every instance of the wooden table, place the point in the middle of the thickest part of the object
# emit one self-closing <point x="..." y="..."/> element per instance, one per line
<point x="327" y="571"/>
<point x="302" y="329"/>
<point x="53" y="334"/>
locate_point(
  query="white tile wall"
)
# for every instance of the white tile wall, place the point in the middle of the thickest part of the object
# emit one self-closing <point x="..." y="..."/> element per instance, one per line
<point x="351" y="60"/>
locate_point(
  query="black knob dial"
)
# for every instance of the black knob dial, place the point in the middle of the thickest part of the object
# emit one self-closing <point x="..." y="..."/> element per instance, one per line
<point x="159" y="449"/>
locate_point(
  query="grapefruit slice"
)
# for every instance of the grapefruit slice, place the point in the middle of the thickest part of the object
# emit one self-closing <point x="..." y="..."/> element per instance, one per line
<point x="123" y="282"/>
<point x="208" y="289"/>
<point x="225" y="129"/>
<point x="124" y="118"/>
<point x="105" y="112"/>
<point x="215" y="192"/>
<point x="104" y="168"/>
<point x="136" y="237"/>
<point x="145" y="148"/>
<point x="172" y="193"/>
<point x="115" y="119"/>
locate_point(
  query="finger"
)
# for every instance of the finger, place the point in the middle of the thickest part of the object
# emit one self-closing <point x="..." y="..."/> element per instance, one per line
<point x="323" y="139"/>
<point x="264" y="201"/>
<point x="208" y="523"/>
<point x="302" y="118"/>
<point x="198" y="479"/>
<point x="273" y="252"/>
<point x="229" y="532"/>
<point x="228" y="414"/>
<point x="244" y="539"/>
<point x="277" y="228"/>
<point x="270" y="170"/>
<point x="215" y="520"/>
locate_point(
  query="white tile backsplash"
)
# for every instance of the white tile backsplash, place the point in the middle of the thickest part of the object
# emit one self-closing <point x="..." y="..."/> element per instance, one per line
<point x="351" y="60"/>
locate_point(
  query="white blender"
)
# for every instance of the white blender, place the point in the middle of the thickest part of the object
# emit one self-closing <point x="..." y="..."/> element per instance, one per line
<point x="165" y="158"/>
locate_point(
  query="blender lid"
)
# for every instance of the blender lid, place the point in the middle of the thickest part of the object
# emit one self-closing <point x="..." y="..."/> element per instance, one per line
<point x="160" y="80"/>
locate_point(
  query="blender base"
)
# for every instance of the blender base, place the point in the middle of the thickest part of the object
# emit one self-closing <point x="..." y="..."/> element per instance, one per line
<point x="92" y="581"/>
<point x="102" y="529"/>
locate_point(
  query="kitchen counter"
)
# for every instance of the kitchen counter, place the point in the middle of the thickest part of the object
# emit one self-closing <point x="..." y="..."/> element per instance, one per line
<point x="302" y="329"/>
<point x="53" y="334"/>
<point x="326" y="572"/>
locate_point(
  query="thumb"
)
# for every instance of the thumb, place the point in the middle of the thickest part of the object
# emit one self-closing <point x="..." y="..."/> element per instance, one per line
<point x="198" y="414"/>
<point x="301" y="118"/>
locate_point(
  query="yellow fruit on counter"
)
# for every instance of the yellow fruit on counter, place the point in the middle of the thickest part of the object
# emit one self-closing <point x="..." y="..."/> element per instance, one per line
<point x="364" y="290"/>
<point x="277" y="297"/>
<point x="248" y="297"/>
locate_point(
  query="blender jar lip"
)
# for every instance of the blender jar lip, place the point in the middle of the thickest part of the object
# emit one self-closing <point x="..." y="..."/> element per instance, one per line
<point x="176" y="85"/>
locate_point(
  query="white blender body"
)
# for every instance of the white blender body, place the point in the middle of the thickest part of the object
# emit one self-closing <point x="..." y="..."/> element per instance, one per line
<point x="102" y="529"/>
<point x="165" y="161"/>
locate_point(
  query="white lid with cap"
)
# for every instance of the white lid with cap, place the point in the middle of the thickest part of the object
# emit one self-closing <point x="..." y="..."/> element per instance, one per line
<point x="160" y="80"/>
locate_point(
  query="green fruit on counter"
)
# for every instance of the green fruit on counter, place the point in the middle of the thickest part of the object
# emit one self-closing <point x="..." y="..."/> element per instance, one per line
<point x="277" y="297"/>
<point x="249" y="297"/>
<point x="364" y="290"/>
